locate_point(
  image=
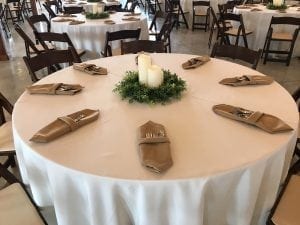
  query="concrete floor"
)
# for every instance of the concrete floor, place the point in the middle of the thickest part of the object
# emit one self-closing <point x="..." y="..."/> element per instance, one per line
<point x="14" y="76"/>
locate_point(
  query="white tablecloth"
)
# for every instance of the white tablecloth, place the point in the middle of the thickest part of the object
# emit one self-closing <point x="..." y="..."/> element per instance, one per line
<point x="259" y="21"/>
<point x="91" y="35"/>
<point x="224" y="172"/>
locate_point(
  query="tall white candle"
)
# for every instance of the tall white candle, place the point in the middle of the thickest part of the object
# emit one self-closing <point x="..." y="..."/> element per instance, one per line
<point x="155" y="76"/>
<point x="277" y="2"/>
<point x="144" y="62"/>
<point x="95" y="8"/>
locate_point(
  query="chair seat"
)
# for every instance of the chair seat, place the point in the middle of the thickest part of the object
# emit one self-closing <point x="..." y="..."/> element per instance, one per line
<point x="80" y="52"/>
<point x="282" y="36"/>
<point x="6" y="138"/>
<point x="16" y="208"/>
<point x="200" y="13"/>
<point x="234" y="32"/>
<point x="287" y="211"/>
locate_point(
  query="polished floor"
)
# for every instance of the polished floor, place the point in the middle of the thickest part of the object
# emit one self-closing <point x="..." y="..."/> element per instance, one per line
<point x="14" y="76"/>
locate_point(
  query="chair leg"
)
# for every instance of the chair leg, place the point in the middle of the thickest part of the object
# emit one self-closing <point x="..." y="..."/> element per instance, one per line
<point x="245" y="40"/>
<point x="267" y="51"/>
<point x="211" y="35"/>
<point x="193" y="20"/>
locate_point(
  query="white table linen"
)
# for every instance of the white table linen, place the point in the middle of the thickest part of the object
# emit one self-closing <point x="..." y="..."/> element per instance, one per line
<point x="91" y="35"/>
<point x="224" y="172"/>
<point x="259" y="21"/>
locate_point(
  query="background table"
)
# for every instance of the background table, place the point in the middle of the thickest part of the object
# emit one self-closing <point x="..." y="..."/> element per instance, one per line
<point x="259" y="21"/>
<point x="224" y="172"/>
<point x="91" y="35"/>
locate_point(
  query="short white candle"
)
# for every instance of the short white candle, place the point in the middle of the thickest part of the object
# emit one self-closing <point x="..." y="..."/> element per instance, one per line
<point x="277" y="2"/>
<point x="144" y="62"/>
<point x="155" y="76"/>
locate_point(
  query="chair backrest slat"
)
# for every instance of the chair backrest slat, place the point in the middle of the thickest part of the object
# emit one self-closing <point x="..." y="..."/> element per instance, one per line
<point x="4" y="104"/>
<point x="142" y="45"/>
<point x="237" y="52"/>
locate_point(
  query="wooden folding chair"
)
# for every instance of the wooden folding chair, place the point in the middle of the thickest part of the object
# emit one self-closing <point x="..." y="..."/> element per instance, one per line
<point x="118" y="35"/>
<point x="201" y="10"/>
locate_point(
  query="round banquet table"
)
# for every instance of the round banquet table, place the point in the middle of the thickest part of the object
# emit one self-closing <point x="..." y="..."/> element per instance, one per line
<point x="259" y="22"/>
<point x="224" y="171"/>
<point x="91" y="35"/>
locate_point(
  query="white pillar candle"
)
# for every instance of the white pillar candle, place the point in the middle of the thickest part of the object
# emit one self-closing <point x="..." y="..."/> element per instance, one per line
<point x="277" y="2"/>
<point x="144" y="62"/>
<point x="155" y="76"/>
<point x="95" y="8"/>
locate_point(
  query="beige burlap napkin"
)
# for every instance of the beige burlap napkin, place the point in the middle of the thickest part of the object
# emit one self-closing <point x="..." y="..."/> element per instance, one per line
<point x="66" y="15"/>
<point x="132" y="14"/>
<point x="90" y="68"/>
<point x="55" y="89"/>
<point x="255" y="10"/>
<point x="154" y="147"/>
<point x="62" y="19"/>
<point x="76" y="22"/>
<point x="266" y="122"/>
<point x="131" y="18"/>
<point x="65" y="124"/>
<point x="109" y="22"/>
<point x="195" y="62"/>
<point x="247" y="80"/>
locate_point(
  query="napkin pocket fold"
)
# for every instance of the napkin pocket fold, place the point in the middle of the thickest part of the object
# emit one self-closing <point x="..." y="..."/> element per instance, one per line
<point x="65" y="124"/>
<point x="195" y="62"/>
<point x="266" y="122"/>
<point x="90" y="68"/>
<point x="55" y="89"/>
<point x="247" y="80"/>
<point x="154" y="147"/>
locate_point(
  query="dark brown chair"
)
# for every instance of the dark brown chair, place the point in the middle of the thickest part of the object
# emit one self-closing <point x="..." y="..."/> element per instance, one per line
<point x="142" y="45"/>
<point x="201" y="10"/>
<point x="51" y="13"/>
<point x="40" y="20"/>
<point x="174" y="7"/>
<point x="73" y="9"/>
<point x="234" y="32"/>
<point x="154" y="25"/>
<point x="56" y="4"/>
<point x="237" y="52"/>
<point x="286" y="37"/>
<point x="119" y="35"/>
<point x="7" y="147"/>
<point x="226" y="7"/>
<point x="286" y="207"/>
<point x="14" y="10"/>
<point x="3" y="22"/>
<point x="218" y="25"/>
<point x="49" y="37"/>
<point x="17" y="206"/>
<point x="50" y="60"/>
<point x="153" y="6"/>
<point x="30" y="47"/>
<point x="296" y="97"/>
<point x="165" y="34"/>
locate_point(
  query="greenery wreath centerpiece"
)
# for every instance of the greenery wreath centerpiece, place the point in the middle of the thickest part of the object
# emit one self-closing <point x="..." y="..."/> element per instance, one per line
<point x="130" y="88"/>
<point x="102" y="15"/>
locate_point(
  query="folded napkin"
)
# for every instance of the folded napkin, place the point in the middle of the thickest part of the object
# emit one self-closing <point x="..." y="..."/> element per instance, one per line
<point x="132" y="14"/>
<point x="62" y="19"/>
<point x="281" y="10"/>
<point x="251" y="5"/>
<point x="111" y="11"/>
<point x="154" y="147"/>
<point x="195" y="62"/>
<point x="242" y="7"/>
<point x="81" y="3"/>
<point x="255" y="10"/>
<point x="109" y="22"/>
<point x="266" y="122"/>
<point x="112" y="0"/>
<point x="247" y="80"/>
<point x="55" y="89"/>
<point x="90" y="68"/>
<point x="65" y="124"/>
<point x="131" y="18"/>
<point x="66" y="15"/>
<point x="76" y="22"/>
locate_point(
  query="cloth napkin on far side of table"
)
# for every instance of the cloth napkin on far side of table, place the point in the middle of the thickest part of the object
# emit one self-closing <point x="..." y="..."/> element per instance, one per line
<point x="131" y="18"/>
<point x="154" y="147"/>
<point x="266" y="122"/>
<point x="62" y="19"/>
<point x="255" y="10"/>
<point x="195" y="62"/>
<point x="90" y="68"/>
<point x="109" y="22"/>
<point x="76" y="22"/>
<point x="55" y="89"/>
<point x="247" y="80"/>
<point x="65" y="124"/>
